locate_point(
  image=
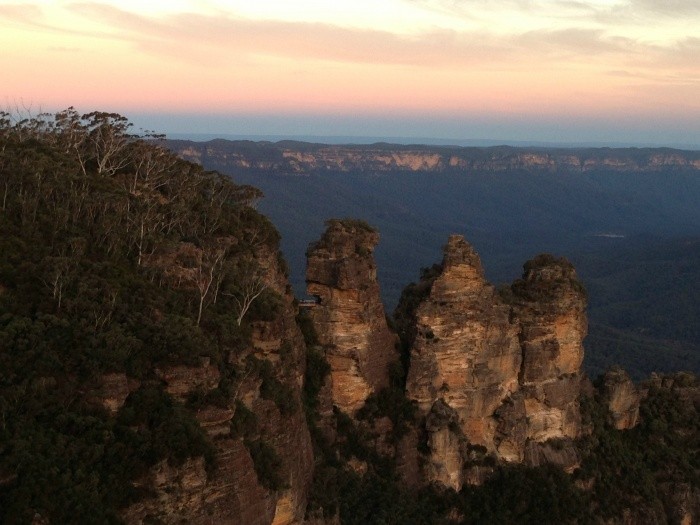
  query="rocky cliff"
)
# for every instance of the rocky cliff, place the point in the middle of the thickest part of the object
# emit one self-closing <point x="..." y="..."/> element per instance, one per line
<point x="349" y="316"/>
<point x="153" y="368"/>
<point x="497" y="373"/>
<point x="622" y="398"/>
<point x="299" y="158"/>
<point x="252" y="427"/>
<point x="465" y="360"/>
<point x="550" y="305"/>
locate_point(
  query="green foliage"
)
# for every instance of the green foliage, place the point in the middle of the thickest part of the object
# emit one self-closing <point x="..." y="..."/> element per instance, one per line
<point x="629" y="468"/>
<point x="244" y="423"/>
<point x="306" y="326"/>
<point x="70" y="465"/>
<point x="115" y="256"/>
<point x="544" y="260"/>
<point x="265" y="307"/>
<point x="166" y="429"/>
<point x="542" y="290"/>
<point x="376" y="500"/>
<point x="273" y="389"/>
<point x="391" y="402"/>
<point x="351" y="224"/>
<point x="525" y="495"/>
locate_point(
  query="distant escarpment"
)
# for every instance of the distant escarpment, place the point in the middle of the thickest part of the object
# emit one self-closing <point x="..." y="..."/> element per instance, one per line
<point x="501" y="371"/>
<point x="289" y="157"/>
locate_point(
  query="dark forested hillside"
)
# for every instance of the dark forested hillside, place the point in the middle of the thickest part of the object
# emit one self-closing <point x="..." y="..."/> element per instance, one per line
<point x="644" y="305"/>
<point x="607" y="210"/>
<point x="117" y="260"/>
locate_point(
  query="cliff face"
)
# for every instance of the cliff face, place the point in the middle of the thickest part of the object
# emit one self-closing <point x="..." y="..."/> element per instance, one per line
<point x="300" y="158"/>
<point x="466" y="353"/>
<point x="349" y="316"/>
<point x="232" y="492"/>
<point x="622" y="398"/>
<point x="501" y="374"/>
<point x="551" y="307"/>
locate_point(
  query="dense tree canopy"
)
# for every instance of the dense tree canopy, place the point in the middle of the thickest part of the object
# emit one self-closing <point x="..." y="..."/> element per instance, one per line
<point x="115" y="256"/>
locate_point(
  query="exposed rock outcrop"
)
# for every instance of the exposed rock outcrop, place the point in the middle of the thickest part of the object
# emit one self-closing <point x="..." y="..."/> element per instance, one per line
<point x="233" y="492"/>
<point x="622" y="397"/>
<point x="550" y="304"/>
<point x="466" y="351"/>
<point x="349" y="317"/>
<point x="505" y="366"/>
<point x="180" y="381"/>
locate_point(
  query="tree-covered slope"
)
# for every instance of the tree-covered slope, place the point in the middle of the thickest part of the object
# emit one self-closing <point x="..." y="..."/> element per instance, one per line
<point x="115" y="257"/>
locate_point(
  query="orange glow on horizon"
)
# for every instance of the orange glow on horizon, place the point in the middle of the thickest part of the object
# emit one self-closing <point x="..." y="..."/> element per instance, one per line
<point x="187" y="61"/>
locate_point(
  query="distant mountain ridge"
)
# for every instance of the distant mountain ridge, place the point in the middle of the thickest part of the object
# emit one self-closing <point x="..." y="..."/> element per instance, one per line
<point x="432" y="141"/>
<point x="294" y="157"/>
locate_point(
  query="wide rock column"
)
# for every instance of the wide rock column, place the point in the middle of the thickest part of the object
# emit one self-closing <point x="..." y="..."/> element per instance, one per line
<point x="349" y="316"/>
<point x="466" y="352"/>
<point x="550" y="304"/>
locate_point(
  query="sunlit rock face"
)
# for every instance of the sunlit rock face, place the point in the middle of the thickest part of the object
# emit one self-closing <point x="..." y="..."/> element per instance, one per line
<point x="506" y="366"/>
<point x="550" y="304"/>
<point x="622" y="398"/>
<point x="466" y="351"/>
<point x="349" y="317"/>
<point x="378" y="159"/>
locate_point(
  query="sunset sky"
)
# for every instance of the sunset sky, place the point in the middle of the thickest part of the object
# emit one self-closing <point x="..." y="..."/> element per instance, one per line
<point x="624" y="71"/>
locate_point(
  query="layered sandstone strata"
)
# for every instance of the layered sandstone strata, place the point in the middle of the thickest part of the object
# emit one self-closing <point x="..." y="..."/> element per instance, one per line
<point x="232" y="492"/>
<point x="308" y="158"/>
<point x="550" y="304"/>
<point x="505" y="366"/>
<point x="466" y="352"/>
<point x="349" y="316"/>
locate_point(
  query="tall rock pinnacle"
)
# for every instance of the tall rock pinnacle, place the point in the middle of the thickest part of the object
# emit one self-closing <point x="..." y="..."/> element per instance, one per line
<point x="349" y="317"/>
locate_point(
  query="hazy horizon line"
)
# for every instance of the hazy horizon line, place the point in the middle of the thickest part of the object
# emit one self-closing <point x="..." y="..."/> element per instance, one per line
<point x="425" y="141"/>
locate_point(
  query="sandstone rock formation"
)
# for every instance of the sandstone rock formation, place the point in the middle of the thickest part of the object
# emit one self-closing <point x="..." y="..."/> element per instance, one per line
<point x="622" y="398"/>
<point x="550" y="304"/>
<point x="349" y="316"/>
<point x="504" y="367"/>
<point x="114" y="390"/>
<point x="232" y="492"/>
<point x="466" y="352"/>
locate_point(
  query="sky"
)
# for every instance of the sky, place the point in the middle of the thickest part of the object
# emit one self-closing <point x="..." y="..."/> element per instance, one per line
<point x="571" y="71"/>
